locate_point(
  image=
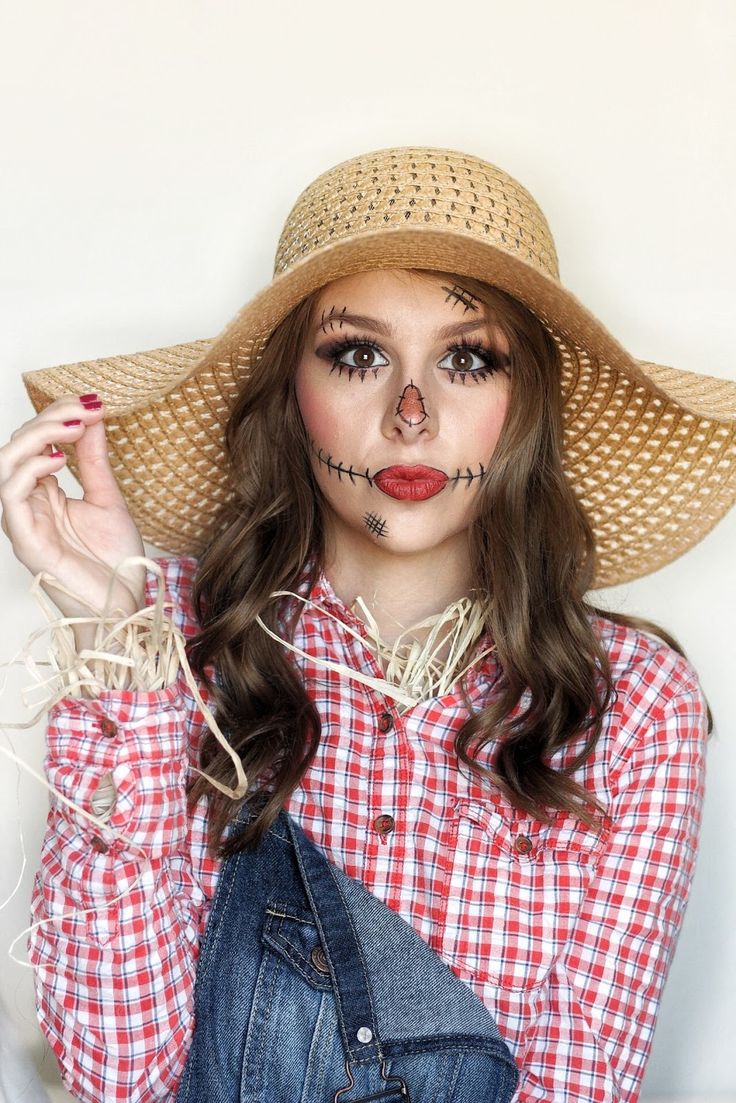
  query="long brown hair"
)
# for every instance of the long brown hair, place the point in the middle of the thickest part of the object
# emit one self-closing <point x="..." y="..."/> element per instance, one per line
<point x="532" y="557"/>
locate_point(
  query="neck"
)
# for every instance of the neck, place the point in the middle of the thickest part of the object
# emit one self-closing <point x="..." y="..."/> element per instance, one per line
<point x="399" y="590"/>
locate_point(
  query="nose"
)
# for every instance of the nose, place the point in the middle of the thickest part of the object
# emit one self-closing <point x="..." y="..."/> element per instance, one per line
<point x="408" y="413"/>
<point x="410" y="407"/>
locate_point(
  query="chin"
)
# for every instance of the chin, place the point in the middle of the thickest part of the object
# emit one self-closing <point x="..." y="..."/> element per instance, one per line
<point x="403" y="539"/>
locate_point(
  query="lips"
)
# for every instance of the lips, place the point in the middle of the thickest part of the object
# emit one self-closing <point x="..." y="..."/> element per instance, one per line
<point x="414" y="484"/>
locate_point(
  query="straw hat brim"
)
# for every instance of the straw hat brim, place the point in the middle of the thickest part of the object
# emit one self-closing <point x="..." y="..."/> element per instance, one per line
<point x="650" y="450"/>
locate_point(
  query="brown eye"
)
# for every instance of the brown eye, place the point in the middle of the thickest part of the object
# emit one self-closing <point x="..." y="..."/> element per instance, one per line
<point x="462" y="361"/>
<point x="364" y="356"/>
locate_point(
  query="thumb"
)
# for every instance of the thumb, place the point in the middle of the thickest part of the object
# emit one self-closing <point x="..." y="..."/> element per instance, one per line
<point x="95" y="472"/>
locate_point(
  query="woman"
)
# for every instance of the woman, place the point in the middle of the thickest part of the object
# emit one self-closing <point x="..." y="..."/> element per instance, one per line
<point x="424" y="429"/>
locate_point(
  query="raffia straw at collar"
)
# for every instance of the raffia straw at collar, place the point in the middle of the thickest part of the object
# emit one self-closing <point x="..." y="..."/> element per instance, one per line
<point x="413" y="672"/>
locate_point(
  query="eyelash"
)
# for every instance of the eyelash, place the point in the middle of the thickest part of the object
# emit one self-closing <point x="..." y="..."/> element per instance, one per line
<point x="334" y="351"/>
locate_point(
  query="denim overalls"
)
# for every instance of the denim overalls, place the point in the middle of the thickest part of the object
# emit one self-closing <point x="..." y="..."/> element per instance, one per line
<point x="310" y="990"/>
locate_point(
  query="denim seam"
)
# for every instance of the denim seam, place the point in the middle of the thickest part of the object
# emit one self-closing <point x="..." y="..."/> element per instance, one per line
<point x="261" y="1039"/>
<point x="323" y="985"/>
<point x="279" y="940"/>
<point x="322" y="1051"/>
<point x="209" y="947"/>
<point x="284" y="913"/>
<point x="453" y="1082"/>
<point x="409" y="1048"/>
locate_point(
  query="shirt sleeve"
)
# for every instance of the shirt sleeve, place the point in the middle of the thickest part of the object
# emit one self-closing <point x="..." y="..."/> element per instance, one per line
<point x="120" y="909"/>
<point x="592" y="1025"/>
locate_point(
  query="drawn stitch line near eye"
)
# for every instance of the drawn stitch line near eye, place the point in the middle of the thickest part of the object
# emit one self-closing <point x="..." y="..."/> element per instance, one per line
<point x="461" y="295"/>
<point x="339" y="468"/>
<point x="352" y="370"/>
<point x="330" y="319"/>
<point x="375" y="524"/>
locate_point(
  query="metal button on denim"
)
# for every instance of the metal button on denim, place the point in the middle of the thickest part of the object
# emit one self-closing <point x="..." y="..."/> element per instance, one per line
<point x="384" y="824"/>
<point x="365" y="1034"/>
<point x="385" y="722"/>
<point x="319" y="961"/>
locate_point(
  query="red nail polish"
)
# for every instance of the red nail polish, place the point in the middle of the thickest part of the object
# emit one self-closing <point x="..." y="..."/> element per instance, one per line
<point x="74" y="421"/>
<point x="88" y="397"/>
<point x="92" y="405"/>
<point x="55" y="455"/>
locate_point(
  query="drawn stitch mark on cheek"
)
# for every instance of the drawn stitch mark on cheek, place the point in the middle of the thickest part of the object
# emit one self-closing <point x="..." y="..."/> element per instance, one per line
<point x="461" y="295"/>
<point x="339" y="468"/>
<point x="375" y="524"/>
<point x="469" y="477"/>
<point x="411" y="407"/>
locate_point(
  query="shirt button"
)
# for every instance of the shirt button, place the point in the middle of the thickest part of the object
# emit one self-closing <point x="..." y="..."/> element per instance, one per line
<point x="385" y="722"/>
<point x="108" y="728"/>
<point x="99" y="844"/>
<point x="384" y="824"/>
<point x="523" y="844"/>
<point x="318" y="960"/>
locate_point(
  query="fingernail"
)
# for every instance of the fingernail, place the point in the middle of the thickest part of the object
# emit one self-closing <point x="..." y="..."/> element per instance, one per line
<point x="55" y="455"/>
<point x="88" y="397"/>
<point x="74" y="421"/>
<point x="92" y="405"/>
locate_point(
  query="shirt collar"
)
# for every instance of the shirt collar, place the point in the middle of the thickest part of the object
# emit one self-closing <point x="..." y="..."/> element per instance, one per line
<point x="479" y="679"/>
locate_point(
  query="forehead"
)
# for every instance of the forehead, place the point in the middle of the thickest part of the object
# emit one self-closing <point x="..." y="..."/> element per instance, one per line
<point x="399" y="286"/>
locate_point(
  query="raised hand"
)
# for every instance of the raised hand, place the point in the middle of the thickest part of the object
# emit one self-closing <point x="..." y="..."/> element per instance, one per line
<point x="78" y="540"/>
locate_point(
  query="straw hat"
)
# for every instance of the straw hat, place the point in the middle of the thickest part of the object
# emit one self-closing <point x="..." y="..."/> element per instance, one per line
<point x="650" y="450"/>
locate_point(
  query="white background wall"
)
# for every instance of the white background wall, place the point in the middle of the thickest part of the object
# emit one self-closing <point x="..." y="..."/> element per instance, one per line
<point x="152" y="149"/>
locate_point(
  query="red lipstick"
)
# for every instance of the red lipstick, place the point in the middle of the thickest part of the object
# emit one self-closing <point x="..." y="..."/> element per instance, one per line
<point x="414" y="484"/>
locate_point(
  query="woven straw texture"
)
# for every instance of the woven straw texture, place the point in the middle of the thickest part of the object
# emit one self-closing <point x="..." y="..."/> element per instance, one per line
<point x="650" y="450"/>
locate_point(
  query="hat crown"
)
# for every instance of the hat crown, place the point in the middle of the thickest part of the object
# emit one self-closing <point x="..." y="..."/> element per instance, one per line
<point x="420" y="188"/>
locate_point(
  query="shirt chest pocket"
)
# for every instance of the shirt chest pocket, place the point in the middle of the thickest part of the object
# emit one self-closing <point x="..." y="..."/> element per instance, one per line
<point x="515" y="892"/>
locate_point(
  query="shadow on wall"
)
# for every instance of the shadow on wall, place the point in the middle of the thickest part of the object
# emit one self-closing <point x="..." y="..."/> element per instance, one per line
<point x="19" y="1082"/>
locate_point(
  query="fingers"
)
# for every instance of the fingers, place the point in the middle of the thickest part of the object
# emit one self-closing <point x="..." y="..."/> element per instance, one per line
<point x="66" y="421"/>
<point x="45" y="430"/>
<point x="31" y="458"/>
<point x="15" y="493"/>
<point x="95" y="472"/>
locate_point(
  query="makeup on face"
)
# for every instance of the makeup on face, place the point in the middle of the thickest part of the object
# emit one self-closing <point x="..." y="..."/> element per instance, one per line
<point x="384" y="389"/>
<point x="411" y="407"/>
<point x="414" y="483"/>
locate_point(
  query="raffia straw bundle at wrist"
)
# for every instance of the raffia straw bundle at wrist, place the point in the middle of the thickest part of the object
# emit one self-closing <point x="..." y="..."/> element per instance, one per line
<point x="140" y="652"/>
<point x="143" y="652"/>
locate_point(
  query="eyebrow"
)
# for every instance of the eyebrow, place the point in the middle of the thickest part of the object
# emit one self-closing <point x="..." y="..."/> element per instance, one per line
<point x="363" y="321"/>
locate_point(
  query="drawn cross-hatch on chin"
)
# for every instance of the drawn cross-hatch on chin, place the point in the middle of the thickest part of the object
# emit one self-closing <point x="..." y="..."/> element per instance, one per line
<point x="404" y="482"/>
<point x="375" y="524"/>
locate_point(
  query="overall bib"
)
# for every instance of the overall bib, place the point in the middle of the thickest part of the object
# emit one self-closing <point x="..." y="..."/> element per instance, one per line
<point x="310" y="990"/>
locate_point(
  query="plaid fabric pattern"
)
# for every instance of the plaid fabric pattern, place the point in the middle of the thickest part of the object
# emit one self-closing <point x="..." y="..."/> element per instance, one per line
<point x="566" y="934"/>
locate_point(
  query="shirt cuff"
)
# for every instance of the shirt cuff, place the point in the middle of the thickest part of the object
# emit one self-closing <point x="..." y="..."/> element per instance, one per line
<point x="140" y="740"/>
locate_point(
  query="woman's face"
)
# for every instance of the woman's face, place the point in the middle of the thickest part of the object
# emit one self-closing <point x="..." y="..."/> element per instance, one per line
<point x="403" y="388"/>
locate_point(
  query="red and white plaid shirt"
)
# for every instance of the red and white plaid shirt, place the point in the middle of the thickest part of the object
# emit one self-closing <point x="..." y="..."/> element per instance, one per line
<point x="564" y="933"/>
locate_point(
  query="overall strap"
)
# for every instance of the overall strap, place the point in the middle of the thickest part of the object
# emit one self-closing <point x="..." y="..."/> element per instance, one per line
<point x="342" y="949"/>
